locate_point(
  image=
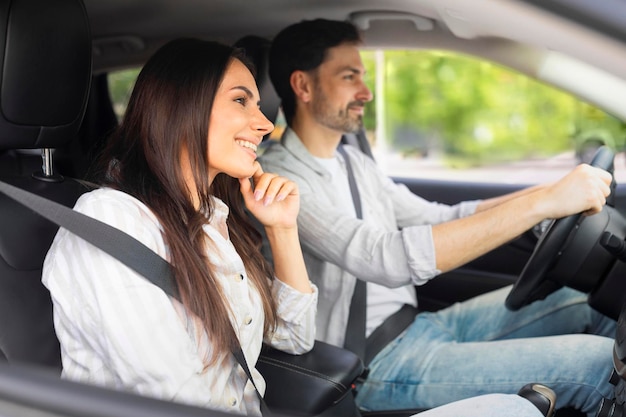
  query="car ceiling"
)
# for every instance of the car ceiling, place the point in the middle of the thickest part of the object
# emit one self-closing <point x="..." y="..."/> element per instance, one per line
<point x="515" y="33"/>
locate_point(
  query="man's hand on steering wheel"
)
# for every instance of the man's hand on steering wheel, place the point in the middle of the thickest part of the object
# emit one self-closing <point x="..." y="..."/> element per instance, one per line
<point x="582" y="192"/>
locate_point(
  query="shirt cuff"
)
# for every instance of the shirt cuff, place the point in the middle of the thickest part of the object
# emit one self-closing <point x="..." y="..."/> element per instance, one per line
<point x="420" y="251"/>
<point x="293" y="305"/>
<point x="467" y="208"/>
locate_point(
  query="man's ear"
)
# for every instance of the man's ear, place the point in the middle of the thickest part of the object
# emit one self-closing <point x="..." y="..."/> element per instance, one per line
<point x="301" y="85"/>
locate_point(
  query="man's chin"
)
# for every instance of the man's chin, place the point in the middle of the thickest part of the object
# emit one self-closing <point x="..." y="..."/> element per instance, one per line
<point x="355" y="128"/>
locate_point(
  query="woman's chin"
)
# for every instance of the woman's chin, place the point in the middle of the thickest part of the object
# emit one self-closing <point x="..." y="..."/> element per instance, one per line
<point x="243" y="174"/>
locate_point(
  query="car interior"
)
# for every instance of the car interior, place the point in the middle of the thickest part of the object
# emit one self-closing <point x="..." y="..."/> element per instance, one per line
<point x="56" y="112"/>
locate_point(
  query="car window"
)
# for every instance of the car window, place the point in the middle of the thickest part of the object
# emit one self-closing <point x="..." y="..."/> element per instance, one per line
<point x="121" y="84"/>
<point x="442" y="115"/>
<point x="449" y="116"/>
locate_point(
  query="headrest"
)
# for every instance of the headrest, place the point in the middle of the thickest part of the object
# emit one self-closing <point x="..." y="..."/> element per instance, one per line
<point x="257" y="49"/>
<point x="45" y="70"/>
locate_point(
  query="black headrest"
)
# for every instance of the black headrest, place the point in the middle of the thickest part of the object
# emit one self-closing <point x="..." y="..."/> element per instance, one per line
<point x="257" y="49"/>
<point x="45" y="70"/>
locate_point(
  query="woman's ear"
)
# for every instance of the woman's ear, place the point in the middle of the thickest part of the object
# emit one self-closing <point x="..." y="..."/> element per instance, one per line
<point x="301" y="85"/>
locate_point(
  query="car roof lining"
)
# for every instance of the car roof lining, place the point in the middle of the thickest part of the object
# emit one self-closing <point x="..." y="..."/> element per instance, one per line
<point x="457" y="25"/>
<point x="455" y="21"/>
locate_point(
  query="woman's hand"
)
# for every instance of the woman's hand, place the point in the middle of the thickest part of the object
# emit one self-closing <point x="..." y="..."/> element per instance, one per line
<point x="275" y="201"/>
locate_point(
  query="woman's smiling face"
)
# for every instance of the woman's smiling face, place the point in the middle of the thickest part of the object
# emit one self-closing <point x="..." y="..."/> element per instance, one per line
<point x="236" y="124"/>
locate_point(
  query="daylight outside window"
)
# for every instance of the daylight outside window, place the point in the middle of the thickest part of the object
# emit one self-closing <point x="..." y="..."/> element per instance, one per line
<point x="448" y="116"/>
<point x="441" y="115"/>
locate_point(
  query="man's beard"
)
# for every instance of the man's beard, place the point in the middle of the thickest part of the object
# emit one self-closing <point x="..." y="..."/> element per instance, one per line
<point x="341" y="120"/>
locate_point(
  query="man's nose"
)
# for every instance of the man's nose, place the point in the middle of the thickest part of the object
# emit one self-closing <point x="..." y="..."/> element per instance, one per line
<point x="365" y="94"/>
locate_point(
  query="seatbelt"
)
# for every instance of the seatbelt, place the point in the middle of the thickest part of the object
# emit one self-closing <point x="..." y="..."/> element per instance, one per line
<point x="388" y="330"/>
<point x="359" y="141"/>
<point x="125" y="248"/>
<point x="368" y="348"/>
<point x="355" y="332"/>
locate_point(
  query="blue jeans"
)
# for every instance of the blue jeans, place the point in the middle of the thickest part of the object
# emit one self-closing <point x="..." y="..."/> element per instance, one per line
<point x="479" y="347"/>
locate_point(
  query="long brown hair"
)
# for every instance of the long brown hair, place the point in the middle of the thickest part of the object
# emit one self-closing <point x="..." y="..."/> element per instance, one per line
<point x="169" y="111"/>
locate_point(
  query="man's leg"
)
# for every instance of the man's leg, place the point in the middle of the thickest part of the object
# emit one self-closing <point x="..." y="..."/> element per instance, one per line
<point x="486" y="318"/>
<point x="478" y="347"/>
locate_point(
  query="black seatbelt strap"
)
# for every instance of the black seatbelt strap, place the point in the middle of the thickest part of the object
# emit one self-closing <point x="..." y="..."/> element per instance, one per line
<point x="238" y="354"/>
<point x="125" y="248"/>
<point x="395" y="324"/>
<point x="355" y="332"/>
<point x="389" y="330"/>
<point x="111" y="240"/>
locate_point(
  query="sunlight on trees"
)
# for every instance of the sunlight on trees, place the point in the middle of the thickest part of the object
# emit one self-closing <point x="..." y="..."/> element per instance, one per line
<point x="473" y="112"/>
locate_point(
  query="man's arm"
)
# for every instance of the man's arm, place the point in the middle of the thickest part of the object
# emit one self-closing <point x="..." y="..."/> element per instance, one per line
<point x="459" y="241"/>
<point x="418" y="253"/>
<point x="492" y="202"/>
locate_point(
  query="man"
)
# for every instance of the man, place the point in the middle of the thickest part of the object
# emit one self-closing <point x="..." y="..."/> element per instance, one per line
<point x="402" y="240"/>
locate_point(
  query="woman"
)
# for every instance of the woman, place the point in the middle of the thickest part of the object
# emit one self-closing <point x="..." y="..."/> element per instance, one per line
<point x="173" y="177"/>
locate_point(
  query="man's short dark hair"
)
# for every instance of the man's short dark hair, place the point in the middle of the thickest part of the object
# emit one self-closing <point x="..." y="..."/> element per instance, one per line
<point x="303" y="46"/>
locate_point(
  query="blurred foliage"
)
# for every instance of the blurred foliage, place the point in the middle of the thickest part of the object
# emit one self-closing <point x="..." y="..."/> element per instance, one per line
<point x="474" y="112"/>
<point x="470" y="111"/>
<point x="121" y="84"/>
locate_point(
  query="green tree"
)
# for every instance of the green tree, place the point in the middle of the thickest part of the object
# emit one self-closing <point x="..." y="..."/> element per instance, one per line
<point x="473" y="111"/>
<point x="121" y="84"/>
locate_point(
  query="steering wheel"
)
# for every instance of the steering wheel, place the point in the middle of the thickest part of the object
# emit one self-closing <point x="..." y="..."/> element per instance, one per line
<point x="533" y="284"/>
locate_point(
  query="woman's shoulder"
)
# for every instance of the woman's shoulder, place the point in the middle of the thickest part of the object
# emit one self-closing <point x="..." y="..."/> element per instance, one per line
<point x="107" y="196"/>
<point x="116" y="208"/>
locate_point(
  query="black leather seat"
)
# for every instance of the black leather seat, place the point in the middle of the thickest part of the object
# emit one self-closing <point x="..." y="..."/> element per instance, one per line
<point x="45" y="64"/>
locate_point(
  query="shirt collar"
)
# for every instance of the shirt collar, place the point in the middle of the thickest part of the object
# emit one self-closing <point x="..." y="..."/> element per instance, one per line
<point x="294" y="145"/>
<point x="220" y="212"/>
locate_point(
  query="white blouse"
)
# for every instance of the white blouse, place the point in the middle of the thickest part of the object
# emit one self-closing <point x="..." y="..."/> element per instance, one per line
<point x="118" y="330"/>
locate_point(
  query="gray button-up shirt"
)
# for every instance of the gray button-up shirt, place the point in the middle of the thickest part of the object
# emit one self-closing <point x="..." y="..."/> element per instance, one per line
<point x="391" y="246"/>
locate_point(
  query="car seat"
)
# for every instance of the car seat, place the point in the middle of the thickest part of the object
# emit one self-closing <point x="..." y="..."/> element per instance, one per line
<point x="45" y="57"/>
